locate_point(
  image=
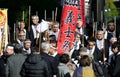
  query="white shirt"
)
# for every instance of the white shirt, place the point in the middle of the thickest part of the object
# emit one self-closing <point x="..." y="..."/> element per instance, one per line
<point x="110" y="54"/>
<point x="100" y="44"/>
<point x="27" y="51"/>
<point x="35" y="31"/>
<point x="56" y="34"/>
<point x="21" y="43"/>
<point x="91" y="51"/>
<point x="80" y="31"/>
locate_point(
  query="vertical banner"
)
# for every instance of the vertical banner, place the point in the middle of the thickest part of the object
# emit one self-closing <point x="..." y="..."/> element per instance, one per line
<point x="3" y="29"/>
<point x="72" y="10"/>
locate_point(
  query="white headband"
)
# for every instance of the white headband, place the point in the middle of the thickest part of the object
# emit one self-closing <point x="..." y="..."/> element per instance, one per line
<point x="10" y="47"/>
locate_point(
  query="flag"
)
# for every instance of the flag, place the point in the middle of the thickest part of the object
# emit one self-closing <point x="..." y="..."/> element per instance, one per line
<point x="72" y="10"/>
<point x="3" y="29"/>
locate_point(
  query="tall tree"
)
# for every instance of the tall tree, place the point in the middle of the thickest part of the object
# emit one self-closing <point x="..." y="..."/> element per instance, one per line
<point x="111" y="9"/>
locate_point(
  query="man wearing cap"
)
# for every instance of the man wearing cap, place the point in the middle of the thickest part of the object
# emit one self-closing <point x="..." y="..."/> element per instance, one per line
<point x="9" y="50"/>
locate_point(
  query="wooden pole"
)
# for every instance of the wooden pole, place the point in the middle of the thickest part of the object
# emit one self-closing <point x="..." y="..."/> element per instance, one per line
<point x="83" y="37"/>
<point x="14" y="32"/>
<point x="45" y="14"/>
<point x="23" y="15"/>
<point x="104" y="48"/>
<point x="53" y="15"/>
<point x="93" y="24"/>
<point x="36" y="13"/>
<point x="40" y="39"/>
<point x="95" y="29"/>
<point x="9" y="34"/>
<point x="29" y="19"/>
<point x="115" y="25"/>
<point x="56" y="13"/>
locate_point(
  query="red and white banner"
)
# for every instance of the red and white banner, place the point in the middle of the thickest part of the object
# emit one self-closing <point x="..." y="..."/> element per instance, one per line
<point x="72" y="10"/>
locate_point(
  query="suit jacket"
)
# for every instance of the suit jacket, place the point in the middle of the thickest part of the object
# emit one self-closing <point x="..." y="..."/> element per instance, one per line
<point x="115" y="66"/>
<point x="105" y="49"/>
<point x="2" y="68"/>
<point x="14" y="65"/>
<point x="33" y="40"/>
<point x="51" y="63"/>
<point x="18" y="42"/>
<point x="97" y="54"/>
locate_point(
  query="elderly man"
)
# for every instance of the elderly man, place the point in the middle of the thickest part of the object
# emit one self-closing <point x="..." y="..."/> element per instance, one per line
<point x="102" y="44"/>
<point x="33" y="29"/>
<point x="49" y="59"/>
<point x="21" y="38"/>
<point x="27" y="47"/>
<point x="15" y="61"/>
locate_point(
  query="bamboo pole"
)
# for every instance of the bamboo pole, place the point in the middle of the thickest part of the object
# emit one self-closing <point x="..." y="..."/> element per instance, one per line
<point x="115" y="25"/>
<point x="9" y="34"/>
<point x="83" y="37"/>
<point x="14" y="32"/>
<point x="93" y="34"/>
<point x="53" y="15"/>
<point x="56" y="13"/>
<point x="23" y="16"/>
<point x="29" y="19"/>
<point x="45" y="14"/>
<point x="104" y="49"/>
<point x="36" y="13"/>
<point x="40" y="40"/>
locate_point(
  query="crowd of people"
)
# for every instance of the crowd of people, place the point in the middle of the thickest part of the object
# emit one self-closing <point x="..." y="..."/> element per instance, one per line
<point x="34" y="53"/>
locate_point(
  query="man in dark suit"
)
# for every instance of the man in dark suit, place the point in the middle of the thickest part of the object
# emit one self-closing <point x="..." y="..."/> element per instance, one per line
<point x="102" y="44"/>
<point x="49" y="59"/>
<point x="93" y="50"/>
<point x="34" y="34"/>
<point x="115" y="63"/>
